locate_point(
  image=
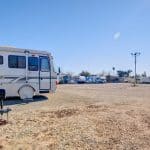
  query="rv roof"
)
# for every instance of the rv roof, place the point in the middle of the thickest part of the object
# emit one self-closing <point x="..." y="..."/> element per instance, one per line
<point x="21" y="50"/>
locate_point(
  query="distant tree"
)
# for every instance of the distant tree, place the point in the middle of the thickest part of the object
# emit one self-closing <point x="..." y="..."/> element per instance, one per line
<point x="85" y="73"/>
<point x="124" y="73"/>
<point x="129" y="71"/>
<point x="113" y="68"/>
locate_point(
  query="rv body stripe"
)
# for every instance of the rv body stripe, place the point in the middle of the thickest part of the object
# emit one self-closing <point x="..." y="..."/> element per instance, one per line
<point x="17" y="80"/>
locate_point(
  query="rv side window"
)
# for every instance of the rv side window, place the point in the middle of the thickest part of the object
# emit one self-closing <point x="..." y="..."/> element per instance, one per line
<point x="16" y="61"/>
<point x="21" y="62"/>
<point x="1" y="60"/>
<point x="33" y="64"/>
<point x="45" y="65"/>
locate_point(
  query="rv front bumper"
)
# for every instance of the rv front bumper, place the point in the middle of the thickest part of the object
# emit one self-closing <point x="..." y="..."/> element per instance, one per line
<point x="2" y="94"/>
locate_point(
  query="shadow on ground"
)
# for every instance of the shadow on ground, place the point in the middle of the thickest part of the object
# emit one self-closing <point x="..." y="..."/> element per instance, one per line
<point x="18" y="101"/>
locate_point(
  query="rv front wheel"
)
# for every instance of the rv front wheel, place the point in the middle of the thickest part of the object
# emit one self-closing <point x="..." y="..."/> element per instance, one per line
<point x="26" y="92"/>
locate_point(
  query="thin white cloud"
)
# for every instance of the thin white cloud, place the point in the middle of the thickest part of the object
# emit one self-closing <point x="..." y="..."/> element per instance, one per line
<point x="116" y="36"/>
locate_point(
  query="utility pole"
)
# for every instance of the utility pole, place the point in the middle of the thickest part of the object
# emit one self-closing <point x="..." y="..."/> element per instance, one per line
<point x="135" y="65"/>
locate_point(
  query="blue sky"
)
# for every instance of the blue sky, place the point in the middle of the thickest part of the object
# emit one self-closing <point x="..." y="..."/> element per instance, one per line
<point x="92" y="35"/>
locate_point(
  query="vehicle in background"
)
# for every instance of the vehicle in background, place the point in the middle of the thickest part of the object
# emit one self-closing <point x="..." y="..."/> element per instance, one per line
<point x="99" y="80"/>
<point x="94" y="79"/>
<point x="25" y="72"/>
<point x="81" y="80"/>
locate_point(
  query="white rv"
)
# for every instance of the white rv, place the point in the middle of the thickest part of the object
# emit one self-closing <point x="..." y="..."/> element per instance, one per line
<point x="25" y="72"/>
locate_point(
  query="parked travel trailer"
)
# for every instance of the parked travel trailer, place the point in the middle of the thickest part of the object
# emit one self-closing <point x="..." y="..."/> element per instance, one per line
<point x="25" y="72"/>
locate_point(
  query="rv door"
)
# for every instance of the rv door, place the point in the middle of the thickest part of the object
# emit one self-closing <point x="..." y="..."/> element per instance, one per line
<point x="44" y="74"/>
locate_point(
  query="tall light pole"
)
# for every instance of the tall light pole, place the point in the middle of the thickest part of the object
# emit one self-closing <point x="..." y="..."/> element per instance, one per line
<point x="135" y="63"/>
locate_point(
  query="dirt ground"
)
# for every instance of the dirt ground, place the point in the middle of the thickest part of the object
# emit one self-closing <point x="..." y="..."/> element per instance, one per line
<point x="104" y="116"/>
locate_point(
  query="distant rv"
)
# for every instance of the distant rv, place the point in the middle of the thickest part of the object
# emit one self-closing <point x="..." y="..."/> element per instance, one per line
<point x="25" y="73"/>
<point x="82" y="79"/>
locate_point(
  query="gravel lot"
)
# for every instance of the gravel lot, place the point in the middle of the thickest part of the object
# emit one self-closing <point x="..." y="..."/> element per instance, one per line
<point x="104" y="116"/>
